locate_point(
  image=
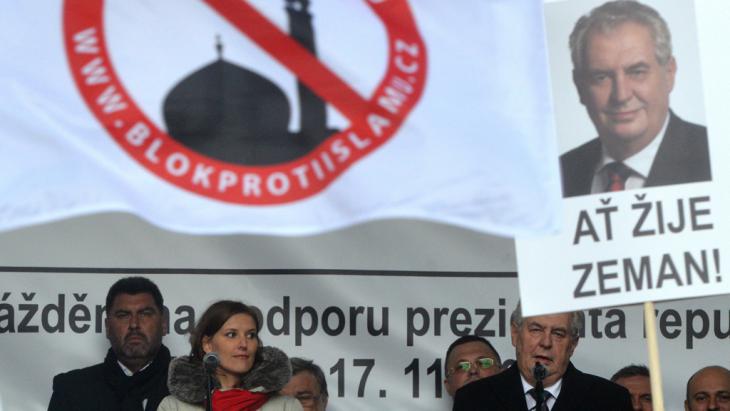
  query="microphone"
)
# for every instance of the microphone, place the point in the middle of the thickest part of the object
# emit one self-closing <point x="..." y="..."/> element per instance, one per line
<point x="211" y="362"/>
<point x="539" y="372"/>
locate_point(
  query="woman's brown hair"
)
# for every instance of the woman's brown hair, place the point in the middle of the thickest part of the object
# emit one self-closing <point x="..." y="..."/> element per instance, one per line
<point x="213" y="319"/>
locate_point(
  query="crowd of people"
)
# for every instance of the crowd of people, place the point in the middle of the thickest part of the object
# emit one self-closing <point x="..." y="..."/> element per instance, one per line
<point x="228" y="367"/>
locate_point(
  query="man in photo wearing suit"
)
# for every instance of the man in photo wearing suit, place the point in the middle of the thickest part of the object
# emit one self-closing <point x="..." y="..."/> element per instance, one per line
<point x="549" y="340"/>
<point x="624" y="71"/>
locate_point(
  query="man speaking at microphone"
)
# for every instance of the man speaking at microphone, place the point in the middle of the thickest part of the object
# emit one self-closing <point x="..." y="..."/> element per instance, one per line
<point x="555" y="384"/>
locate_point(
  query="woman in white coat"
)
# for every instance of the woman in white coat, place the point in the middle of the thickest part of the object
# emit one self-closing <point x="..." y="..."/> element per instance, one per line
<point x="248" y="376"/>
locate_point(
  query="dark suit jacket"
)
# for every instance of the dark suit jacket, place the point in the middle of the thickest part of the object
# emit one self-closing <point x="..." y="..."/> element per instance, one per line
<point x="683" y="157"/>
<point x="578" y="392"/>
<point x="104" y="387"/>
<point x="83" y="389"/>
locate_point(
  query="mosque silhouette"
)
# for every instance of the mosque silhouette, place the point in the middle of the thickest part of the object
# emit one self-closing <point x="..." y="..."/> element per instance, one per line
<point x="235" y="115"/>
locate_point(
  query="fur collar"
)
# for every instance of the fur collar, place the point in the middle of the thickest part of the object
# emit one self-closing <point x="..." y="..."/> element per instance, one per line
<point x="270" y="373"/>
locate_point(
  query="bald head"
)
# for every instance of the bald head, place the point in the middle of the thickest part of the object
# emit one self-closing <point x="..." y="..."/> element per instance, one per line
<point x="708" y="389"/>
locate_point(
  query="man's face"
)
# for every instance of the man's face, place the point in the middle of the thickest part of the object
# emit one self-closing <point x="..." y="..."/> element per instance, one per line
<point x="545" y="339"/>
<point x="709" y="390"/>
<point x="134" y="327"/>
<point x="304" y="387"/>
<point x="468" y="352"/>
<point x="639" y="387"/>
<point x="624" y="88"/>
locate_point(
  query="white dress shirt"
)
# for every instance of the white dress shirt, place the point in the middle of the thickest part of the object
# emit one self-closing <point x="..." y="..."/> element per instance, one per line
<point x="554" y="390"/>
<point x="640" y="163"/>
<point x="129" y="373"/>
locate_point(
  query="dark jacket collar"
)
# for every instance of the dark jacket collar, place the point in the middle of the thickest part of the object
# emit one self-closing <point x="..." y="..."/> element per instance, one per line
<point x="570" y="389"/>
<point x="148" y="383"/>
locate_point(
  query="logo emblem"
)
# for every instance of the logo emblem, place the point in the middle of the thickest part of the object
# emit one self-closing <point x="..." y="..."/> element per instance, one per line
<point x="249" y="157"/>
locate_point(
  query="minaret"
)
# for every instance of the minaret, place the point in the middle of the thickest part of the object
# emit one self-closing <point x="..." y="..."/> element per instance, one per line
<point x="313" y="121"/>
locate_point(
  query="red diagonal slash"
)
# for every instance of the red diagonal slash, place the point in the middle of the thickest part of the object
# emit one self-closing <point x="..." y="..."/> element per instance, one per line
<point x="308" y="69"/>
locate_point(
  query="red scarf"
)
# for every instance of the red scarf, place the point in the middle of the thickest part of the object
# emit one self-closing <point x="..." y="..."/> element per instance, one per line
<point x="238" y="400"/>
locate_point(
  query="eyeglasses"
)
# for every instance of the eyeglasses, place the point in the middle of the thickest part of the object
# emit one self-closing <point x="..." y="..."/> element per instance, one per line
<point x="465" y="366"/>
<point x="308" y="399"/>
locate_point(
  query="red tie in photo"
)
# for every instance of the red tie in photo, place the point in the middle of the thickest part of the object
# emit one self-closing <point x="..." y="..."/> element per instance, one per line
<point x="617" y="174"/>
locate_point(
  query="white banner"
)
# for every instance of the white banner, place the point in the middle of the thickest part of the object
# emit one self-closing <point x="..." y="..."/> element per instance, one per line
<point x="248" y="116"/>
<point x="667" y="240"/>
<point x="396" y="327"/>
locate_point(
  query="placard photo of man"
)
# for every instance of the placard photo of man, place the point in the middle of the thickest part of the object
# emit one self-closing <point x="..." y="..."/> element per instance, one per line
<point x="624" y="71"/>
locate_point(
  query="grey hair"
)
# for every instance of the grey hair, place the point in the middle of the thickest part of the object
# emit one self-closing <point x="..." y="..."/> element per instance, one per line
<point x="303" y="365"/>
<point x="577" y="320"/>
<point x="633" y="370"/>
<point x="612" y="14"/>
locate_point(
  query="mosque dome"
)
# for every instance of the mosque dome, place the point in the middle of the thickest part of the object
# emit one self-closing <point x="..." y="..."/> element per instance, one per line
<point x="236" y="115"/>
<point x="226" y="112"/>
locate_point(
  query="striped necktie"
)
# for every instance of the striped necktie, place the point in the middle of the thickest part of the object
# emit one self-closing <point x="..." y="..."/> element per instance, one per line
<point x="545" y="397"/>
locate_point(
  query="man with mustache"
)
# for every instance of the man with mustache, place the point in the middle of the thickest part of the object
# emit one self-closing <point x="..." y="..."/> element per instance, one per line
<point x="133" y="375"/>
<point x="624" y="70"/>
<point x="549" y="340"/>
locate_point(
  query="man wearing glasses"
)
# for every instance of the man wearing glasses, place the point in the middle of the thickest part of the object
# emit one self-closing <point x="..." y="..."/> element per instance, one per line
<point x="307" y="384"/>
<point x="555" y="385"/>
<point x="468" y="359"/>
